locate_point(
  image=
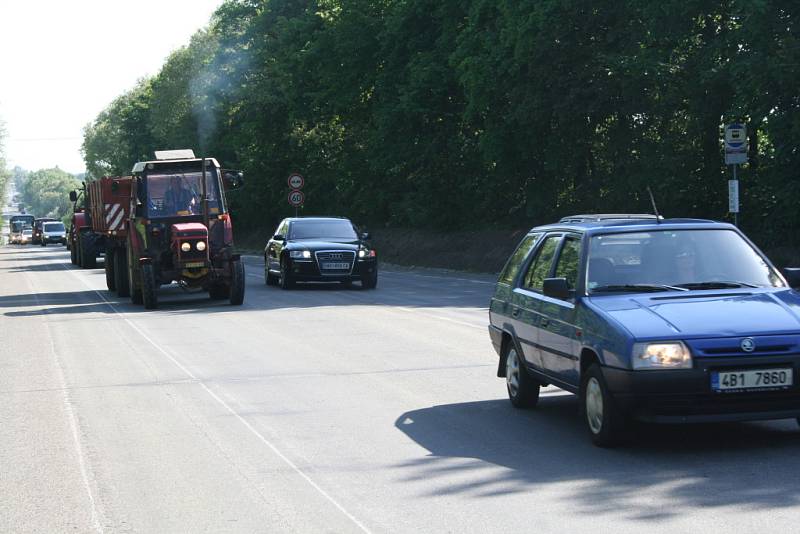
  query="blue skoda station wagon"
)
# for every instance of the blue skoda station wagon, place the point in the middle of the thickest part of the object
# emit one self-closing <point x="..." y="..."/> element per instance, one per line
<point x="677" y="320"/>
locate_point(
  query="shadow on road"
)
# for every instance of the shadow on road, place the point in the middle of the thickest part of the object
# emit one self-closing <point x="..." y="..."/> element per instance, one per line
<point x="661" y="470"/>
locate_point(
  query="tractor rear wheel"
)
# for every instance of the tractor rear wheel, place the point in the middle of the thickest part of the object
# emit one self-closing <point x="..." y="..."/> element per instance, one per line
<point x="134" y="292"/>
<point x="149" y="287"/>
<point x="237" y="283"/>
<point x="108" y="264"/>
<point x="121" y="272"/>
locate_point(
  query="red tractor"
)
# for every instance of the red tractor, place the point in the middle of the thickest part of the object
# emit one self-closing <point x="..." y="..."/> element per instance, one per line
<point x="179" y="229"/>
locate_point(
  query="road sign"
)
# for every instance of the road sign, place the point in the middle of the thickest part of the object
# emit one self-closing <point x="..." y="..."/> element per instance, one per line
<point x="296" y="181"/>
<point x="733" y="196"/>
<point x="296" y="198"/>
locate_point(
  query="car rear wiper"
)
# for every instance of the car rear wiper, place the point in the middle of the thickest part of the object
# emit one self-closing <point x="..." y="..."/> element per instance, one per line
<point x="716" y="284"/>
<point x="637" y="287"/>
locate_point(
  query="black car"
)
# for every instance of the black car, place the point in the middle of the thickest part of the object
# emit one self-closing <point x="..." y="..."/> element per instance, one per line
<point x="319" y="249"/>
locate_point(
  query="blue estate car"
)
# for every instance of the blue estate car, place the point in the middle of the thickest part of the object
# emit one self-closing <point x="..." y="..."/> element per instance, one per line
<point x="678" y="320"/>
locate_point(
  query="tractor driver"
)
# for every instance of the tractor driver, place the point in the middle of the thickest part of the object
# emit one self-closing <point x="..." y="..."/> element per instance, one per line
<point x="179" y="197"/>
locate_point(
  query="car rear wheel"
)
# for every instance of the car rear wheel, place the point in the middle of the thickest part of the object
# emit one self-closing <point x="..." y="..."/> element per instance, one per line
<point x="523" y="391"/>
<point x="604" y="421"/>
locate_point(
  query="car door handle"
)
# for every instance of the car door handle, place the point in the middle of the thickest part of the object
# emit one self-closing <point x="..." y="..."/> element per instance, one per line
<point x="545" y="323"/>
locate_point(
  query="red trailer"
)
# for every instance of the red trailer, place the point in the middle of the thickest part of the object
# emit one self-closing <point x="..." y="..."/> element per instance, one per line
<point x="102" y="228"/>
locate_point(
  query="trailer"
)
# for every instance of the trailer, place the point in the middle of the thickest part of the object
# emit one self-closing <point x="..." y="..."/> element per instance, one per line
<point x="100" y="228"/>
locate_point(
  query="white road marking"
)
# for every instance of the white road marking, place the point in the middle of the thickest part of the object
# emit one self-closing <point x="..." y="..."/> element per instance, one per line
<point x="225" y="405"/>
<point x="73" y="423"/>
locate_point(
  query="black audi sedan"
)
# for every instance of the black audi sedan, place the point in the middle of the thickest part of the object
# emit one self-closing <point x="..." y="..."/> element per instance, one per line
<point x="319" y="249"/>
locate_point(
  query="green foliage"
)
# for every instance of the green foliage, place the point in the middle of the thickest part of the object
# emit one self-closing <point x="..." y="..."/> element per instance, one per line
<point x="45" y="193"/>
<point x="468" y="113"/>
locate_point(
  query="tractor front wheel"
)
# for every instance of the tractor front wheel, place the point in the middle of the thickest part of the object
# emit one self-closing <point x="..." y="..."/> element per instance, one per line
<point x="149" y="287"/>
<point x="237" y="283"/>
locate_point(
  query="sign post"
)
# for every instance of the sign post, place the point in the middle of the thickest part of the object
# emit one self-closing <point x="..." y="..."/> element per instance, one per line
<point x="296" y="197"/>
<point x="735" y="155"/>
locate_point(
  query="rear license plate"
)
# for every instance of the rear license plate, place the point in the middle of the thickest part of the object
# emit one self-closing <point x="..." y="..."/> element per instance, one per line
<point x="336" y="266"/>
<point x="752" y="379"/>
<point x="194" y="265"/>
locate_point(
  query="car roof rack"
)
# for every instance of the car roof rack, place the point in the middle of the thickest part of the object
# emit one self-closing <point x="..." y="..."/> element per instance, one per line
<point x="611" y="217"/>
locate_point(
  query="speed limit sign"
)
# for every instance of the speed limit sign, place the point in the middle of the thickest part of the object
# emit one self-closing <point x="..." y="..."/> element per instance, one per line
<point x="296" y="181"/>
<point x="296" y="198"/>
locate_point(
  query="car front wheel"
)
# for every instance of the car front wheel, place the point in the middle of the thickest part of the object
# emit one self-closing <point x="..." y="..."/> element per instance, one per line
<point x="523" y="391"/>
<point x="603" y="419"/>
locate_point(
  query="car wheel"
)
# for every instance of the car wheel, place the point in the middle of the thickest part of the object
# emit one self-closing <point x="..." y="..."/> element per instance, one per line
<point x="286" y="281"/>
<point x="269" y="278"/>
<point x="603" y="419"/>
<point x="523" y="391"/>
<point x="370" y="280"/>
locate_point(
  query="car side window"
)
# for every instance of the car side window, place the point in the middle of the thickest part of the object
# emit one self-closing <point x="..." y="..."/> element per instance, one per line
<point x="282" y="229"/>
<point x="540" y="266"/>
<point x="516" y="259"/>
<point x="568" y="259"/>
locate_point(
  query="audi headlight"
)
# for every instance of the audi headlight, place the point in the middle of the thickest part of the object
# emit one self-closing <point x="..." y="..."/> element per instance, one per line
<point x="300" y="254"/>
<point x="201" y="246"/>
<point x="366" y="253"/>
<point x="186" y="247"/>
<point x="666" y="355"/>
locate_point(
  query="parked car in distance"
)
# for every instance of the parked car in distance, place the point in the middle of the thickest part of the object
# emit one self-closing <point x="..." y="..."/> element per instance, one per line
<point x="53" y="232"/>
<point x="680" y="320"/>
<point x="37" y="229"/>
<point x="319" y="249"/>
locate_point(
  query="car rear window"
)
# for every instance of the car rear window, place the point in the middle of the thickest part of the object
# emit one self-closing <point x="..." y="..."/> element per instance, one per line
<point x="512" y="266"/>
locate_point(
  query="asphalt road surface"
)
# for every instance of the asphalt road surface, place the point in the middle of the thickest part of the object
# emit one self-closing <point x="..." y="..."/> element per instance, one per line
<point x="324" y="409"/>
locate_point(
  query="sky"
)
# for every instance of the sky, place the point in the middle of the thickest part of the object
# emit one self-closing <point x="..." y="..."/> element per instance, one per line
<point x="64" y="61"/>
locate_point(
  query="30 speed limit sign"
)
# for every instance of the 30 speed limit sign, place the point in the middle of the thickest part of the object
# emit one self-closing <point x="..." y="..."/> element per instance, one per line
<point x="296" y="198"/>
<point x="296" y="181"/>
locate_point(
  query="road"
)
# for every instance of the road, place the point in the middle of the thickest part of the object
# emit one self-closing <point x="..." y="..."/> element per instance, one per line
<point x="329" y="410"/>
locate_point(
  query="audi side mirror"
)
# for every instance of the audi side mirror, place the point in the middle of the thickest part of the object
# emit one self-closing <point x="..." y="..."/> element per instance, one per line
<point x="556" y="288"/>
<point x="365" y="236"/>
<point x="792" y="275"/>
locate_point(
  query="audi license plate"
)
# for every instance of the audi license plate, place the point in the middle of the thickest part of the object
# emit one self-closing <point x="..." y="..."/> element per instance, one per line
<point x="751" y="379"/>
<point x="336" y="266"/>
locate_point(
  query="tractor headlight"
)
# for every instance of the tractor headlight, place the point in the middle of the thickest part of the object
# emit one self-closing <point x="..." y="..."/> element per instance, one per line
<point x="300" y="254"/>
<point x="201" y="246"/>
<point x="665" y="355"/>
<point x="186" y="247"/>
